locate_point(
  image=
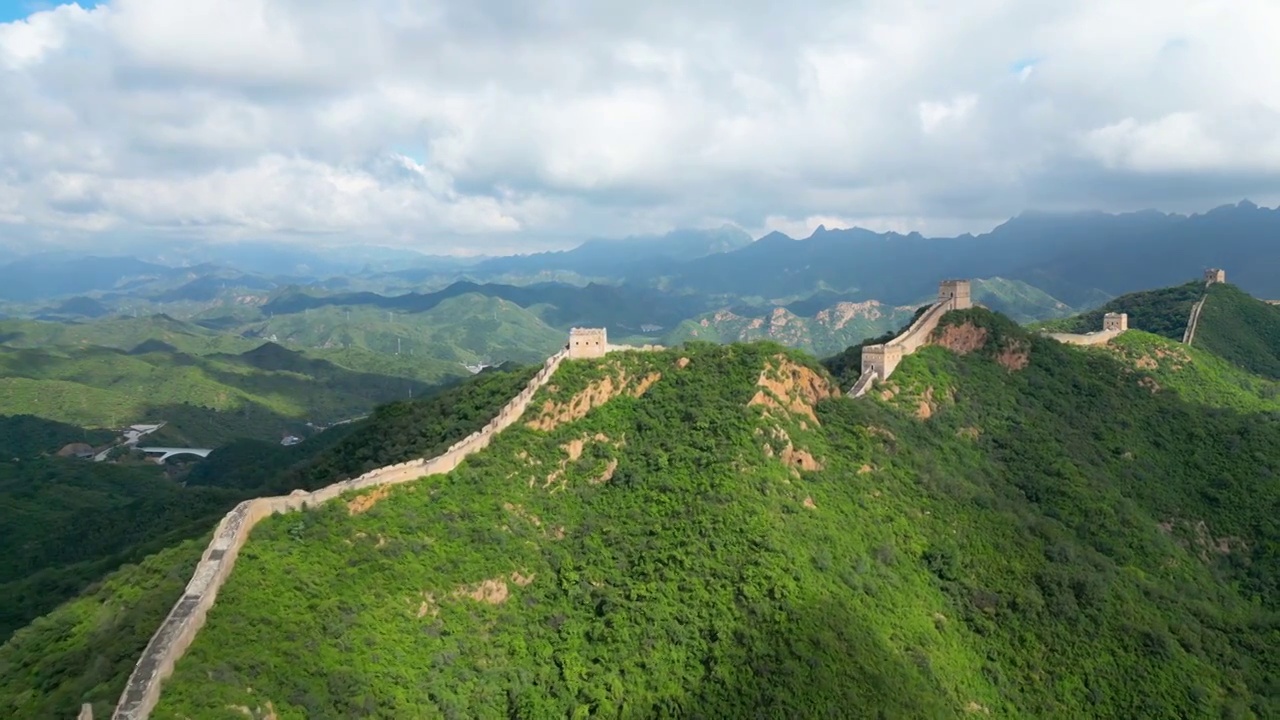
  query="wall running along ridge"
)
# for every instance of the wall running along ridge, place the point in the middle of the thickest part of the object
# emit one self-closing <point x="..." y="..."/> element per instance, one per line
<point x="187" y="616"/>
<point x="1113" y="324"/>
<point x="1194" y="320"/>
<point x="879" y="361"/>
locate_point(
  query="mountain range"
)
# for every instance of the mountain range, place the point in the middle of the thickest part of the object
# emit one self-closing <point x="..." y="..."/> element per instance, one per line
<point x="1007" y="526"/>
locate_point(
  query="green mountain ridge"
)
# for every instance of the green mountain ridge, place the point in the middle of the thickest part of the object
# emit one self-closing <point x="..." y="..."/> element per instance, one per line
<point x="1008" y="526"/>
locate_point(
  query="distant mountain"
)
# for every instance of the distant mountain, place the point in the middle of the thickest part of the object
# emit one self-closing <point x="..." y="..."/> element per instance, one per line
<point x="81" y="306"/>
<point x="825" y="332"/>
<point x="560" y="305"/>
<point x="302" y="260"/>
<point x="466" y="328"/>
<point x="630" y="257"/>
<point x="1079" y="259"/>
<point x="209" y="287"/>
<point x="38" y="277"/>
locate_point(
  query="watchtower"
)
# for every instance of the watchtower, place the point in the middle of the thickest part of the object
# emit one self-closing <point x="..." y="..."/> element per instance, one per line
<point x="1215" y="275"/>
<point x="587" y="342"/>
<point x="957" y="291"/>
<point x="1115" y="321"/>
<point x="881" y="358"/>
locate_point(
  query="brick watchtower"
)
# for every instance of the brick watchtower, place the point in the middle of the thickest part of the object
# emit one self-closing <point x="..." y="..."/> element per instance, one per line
<point x="588" y="342"/>
<point x="1115" y="321"/>
<point x="957" y="291"/>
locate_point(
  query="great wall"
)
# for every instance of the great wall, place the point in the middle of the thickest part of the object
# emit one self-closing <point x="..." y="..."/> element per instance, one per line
<point x="879" y="361"/>
<point x="175" y="634"/>
<point x="1211" y="276"/>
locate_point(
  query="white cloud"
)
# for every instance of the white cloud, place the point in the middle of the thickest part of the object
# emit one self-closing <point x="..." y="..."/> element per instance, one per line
<point x="552" y="121"/>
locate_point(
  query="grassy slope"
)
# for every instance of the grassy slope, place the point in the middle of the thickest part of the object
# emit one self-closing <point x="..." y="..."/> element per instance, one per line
<point x="462" y="329"/>
<point x="123" y="333"/>
<point x="206" y="399"/>
<point x="1242" y="329"/>
<point x="1164" y="312"/>
<point x="84" y="649"/>
<point x="1006" y="553"/>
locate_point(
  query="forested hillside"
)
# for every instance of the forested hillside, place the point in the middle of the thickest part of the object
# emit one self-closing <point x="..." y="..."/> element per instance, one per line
<point x="1163" y="311"/>
<point x="1242" y="329"/>
<point x="73" y="522"/>
<point x="1010" y="526"/>
<point x="1233" y="325"/>
<point x="205" y="400"/>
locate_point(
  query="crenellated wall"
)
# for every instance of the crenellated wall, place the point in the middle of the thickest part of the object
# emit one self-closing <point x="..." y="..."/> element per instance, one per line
<point x="187" y="616"/>
<point x="879" y="361"/>
<point x="1113" y="324"/>
<point x="1189" y="334"/>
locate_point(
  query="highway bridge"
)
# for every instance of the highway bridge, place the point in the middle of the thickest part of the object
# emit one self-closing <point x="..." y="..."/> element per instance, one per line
<point x="161" y="454"/>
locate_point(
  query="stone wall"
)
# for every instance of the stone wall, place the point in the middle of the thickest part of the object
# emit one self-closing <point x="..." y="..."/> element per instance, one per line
<point x="187" y="616"/>
<point x="879" y="361"/>
<point x="1098" y="337"/>
<point x="918" y="334"/>
<point x="1190" y="333"/>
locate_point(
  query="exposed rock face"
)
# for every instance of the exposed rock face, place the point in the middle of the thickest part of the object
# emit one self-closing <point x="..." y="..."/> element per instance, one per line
<point x="788" y="385"/>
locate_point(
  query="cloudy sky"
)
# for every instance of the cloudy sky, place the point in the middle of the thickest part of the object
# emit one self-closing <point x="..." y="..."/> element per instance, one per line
<point x="506" y="124"/>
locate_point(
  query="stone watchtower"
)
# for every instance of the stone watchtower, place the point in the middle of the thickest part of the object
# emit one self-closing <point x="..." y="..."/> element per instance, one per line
<point x="1215" y="275"/>
<point x="587" y="342"/>
<point x="957" y="291"/>
<point x="1115" y="321"/>
<point x="883" y="359"/>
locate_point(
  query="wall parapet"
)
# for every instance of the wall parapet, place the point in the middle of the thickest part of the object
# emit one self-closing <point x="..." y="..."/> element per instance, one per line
<point x="1189" y="334"/>
<point x="175" y="634"/>
<point x="879" y="361"/>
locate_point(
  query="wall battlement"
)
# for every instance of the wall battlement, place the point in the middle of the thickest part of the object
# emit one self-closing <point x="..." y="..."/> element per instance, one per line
<point x="1113" y="324"/>
<point x="879" y="361"/>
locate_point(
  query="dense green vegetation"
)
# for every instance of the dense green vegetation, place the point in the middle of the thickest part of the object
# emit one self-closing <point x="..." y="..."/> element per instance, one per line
<point x="67" y="522"/>
<point x="72" y="522"/>
<point x="1195" y="374"/>
<point x="1162" y="312"/>
<point x="204" y="399"/>
<point x="1242" y="329"/>
<point x="84" y="650"/>
<point x="1027" y="530"/>
<point x="462" y="329"/>
<point x="27" y="436"/>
